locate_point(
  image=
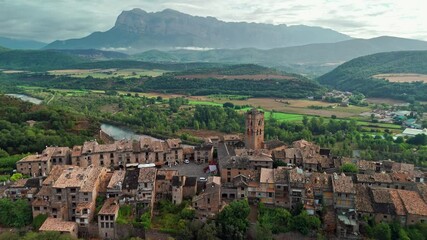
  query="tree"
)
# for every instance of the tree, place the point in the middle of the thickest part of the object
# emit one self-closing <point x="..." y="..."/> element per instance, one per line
<point x="232" y="220"/>
<point x="16" y="176"/>
<point x="38" y="221"/>
<point x="262" y="232"/>
<point x="349" y="168"/>
<point x="305" y="223"/>
<point x="228" y="105"/>
<point x="381" y="231"/>
<point x="15" y="213"/>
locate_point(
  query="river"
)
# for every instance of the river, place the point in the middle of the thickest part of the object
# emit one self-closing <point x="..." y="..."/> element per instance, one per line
<point x="119" y="133"/>
<point x="26" y="98"/>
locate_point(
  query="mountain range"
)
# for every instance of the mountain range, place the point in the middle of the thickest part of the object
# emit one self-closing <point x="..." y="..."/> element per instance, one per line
<point x="318" y="58"/>
<point x="138" y="30"/>
<point x="14" y="43"/>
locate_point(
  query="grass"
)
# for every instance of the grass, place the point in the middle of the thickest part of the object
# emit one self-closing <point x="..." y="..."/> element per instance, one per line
<point x="193" y="102"/>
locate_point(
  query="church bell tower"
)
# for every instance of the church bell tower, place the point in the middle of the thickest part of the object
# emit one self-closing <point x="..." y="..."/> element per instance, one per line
<point x="254" y="132"/>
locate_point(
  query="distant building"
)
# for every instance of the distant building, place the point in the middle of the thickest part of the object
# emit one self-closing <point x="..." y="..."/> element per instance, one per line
<point x="58" y="225"/>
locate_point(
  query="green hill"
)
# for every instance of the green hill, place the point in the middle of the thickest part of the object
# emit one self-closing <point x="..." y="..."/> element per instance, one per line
<point x="36" y="60"/>
<point x="243" y="79"/>
<point x="357" y="75"/>
<point x="3" y="49"/>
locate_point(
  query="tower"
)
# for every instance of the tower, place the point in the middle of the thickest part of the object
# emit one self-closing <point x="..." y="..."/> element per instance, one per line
<point x="254" y="132"/>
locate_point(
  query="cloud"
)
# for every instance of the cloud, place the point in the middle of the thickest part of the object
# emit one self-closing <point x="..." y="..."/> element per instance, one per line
<point x="49" y="20"/>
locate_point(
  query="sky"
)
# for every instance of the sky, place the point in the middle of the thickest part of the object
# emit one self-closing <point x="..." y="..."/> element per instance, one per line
<point x="49" y="20"/>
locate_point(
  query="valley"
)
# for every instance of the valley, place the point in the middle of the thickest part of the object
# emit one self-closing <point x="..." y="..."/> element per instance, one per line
<point x="276" y="120"/>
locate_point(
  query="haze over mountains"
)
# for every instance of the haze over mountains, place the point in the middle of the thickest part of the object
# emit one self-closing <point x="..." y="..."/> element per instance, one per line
<point x="14" y="43"/>
<point x="172" y="36"/>
<point x="138" y="30"/>
<point x="321" y="56"/>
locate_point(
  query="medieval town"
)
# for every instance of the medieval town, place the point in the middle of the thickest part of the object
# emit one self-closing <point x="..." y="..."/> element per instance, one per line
<point x="65" y="183"/>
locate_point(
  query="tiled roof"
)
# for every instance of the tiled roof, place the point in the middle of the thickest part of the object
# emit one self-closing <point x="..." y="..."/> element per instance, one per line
<point x="401" y="177"/>
<point x="57" y="225"/>
<point x="267" y="175"/>
<point x="342" y="183"/>
<point x="117" y="178"/>
<point x="374" y="178"/>
<point x="109" y="207"/>
<point x="147" y="175"/>
<point x="55" y="173"/>
<point x="363" y="200"/>
<point x="413" y="203"/>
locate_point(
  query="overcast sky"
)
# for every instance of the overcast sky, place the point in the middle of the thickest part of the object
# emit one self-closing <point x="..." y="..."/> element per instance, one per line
<point x="49" y="20"/>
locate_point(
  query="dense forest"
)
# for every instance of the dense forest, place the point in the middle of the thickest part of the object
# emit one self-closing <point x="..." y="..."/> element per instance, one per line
<point x="52" y="126"/>
<point x="356" y="75"/>
<point x="295" y="88"/>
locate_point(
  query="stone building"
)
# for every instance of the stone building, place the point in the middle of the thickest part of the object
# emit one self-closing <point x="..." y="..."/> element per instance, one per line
<point x="208" y="202"/>
<point x="58" y="225"/>
<point x="146" y="187"/>
<point x="164" y="183"/>
<point x="106" y="219"/>
<point x="39" y="165"/>
<point x="254" y="132"/>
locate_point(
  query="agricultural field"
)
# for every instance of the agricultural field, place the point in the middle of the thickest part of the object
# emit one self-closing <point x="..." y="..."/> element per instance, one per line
<point x="384" y="100"/>
<point x="108" y="73"/>
<point x="403" y="77"/>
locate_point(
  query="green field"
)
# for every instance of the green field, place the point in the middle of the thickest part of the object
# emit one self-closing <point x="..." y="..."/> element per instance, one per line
<point x="204" y="103"/>
<point x="108" y="73"/>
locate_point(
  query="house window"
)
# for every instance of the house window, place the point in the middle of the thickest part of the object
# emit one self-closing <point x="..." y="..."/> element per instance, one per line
<point x="102" y="224"/>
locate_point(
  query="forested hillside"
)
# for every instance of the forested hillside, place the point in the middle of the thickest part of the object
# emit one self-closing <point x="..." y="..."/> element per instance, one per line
<point x="36" y="60"/>
<point x="357" y="75"/>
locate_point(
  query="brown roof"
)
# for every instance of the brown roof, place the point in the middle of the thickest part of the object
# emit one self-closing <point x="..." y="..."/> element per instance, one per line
<point x="59" y="151"/>
<point x="402" y="167"/>
<point x="43" y="157"/>
<point x="19" y="183"/>
<point x="174" y="143"/>
<point x="58" y="225"/>
<point x="366" y="165"/>
<point x="44" y="191"/>
<point x="84" y="205"/>
<point x="267" y="175"/>
<point x="40" y="203"/>
<point x="397" y="202"/>
<point x="401" y="177"/>
<point x="89" y="147"/>
<point x="342" y="183"/>
<point x="117" y="178"/>
<point x="413" y="203"/>
<point x="374" y="178"/>
<point x="110" y="207"/>
<point x="147" y="175"/>
<point x="112" y="147"/>
<point x="55" y="173"/>
<point x="260" y="158"/>
<point x="78" y="177"/>
<point x="381" y="195"/>
<point x="363" y="200"/>
<point x="296" y="175"/>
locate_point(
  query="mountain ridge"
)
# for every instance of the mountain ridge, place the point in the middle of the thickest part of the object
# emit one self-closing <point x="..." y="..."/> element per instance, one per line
<point x="322" y="56"/>
<point x="15" y="43"/>
<point x="137" y="29"/>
